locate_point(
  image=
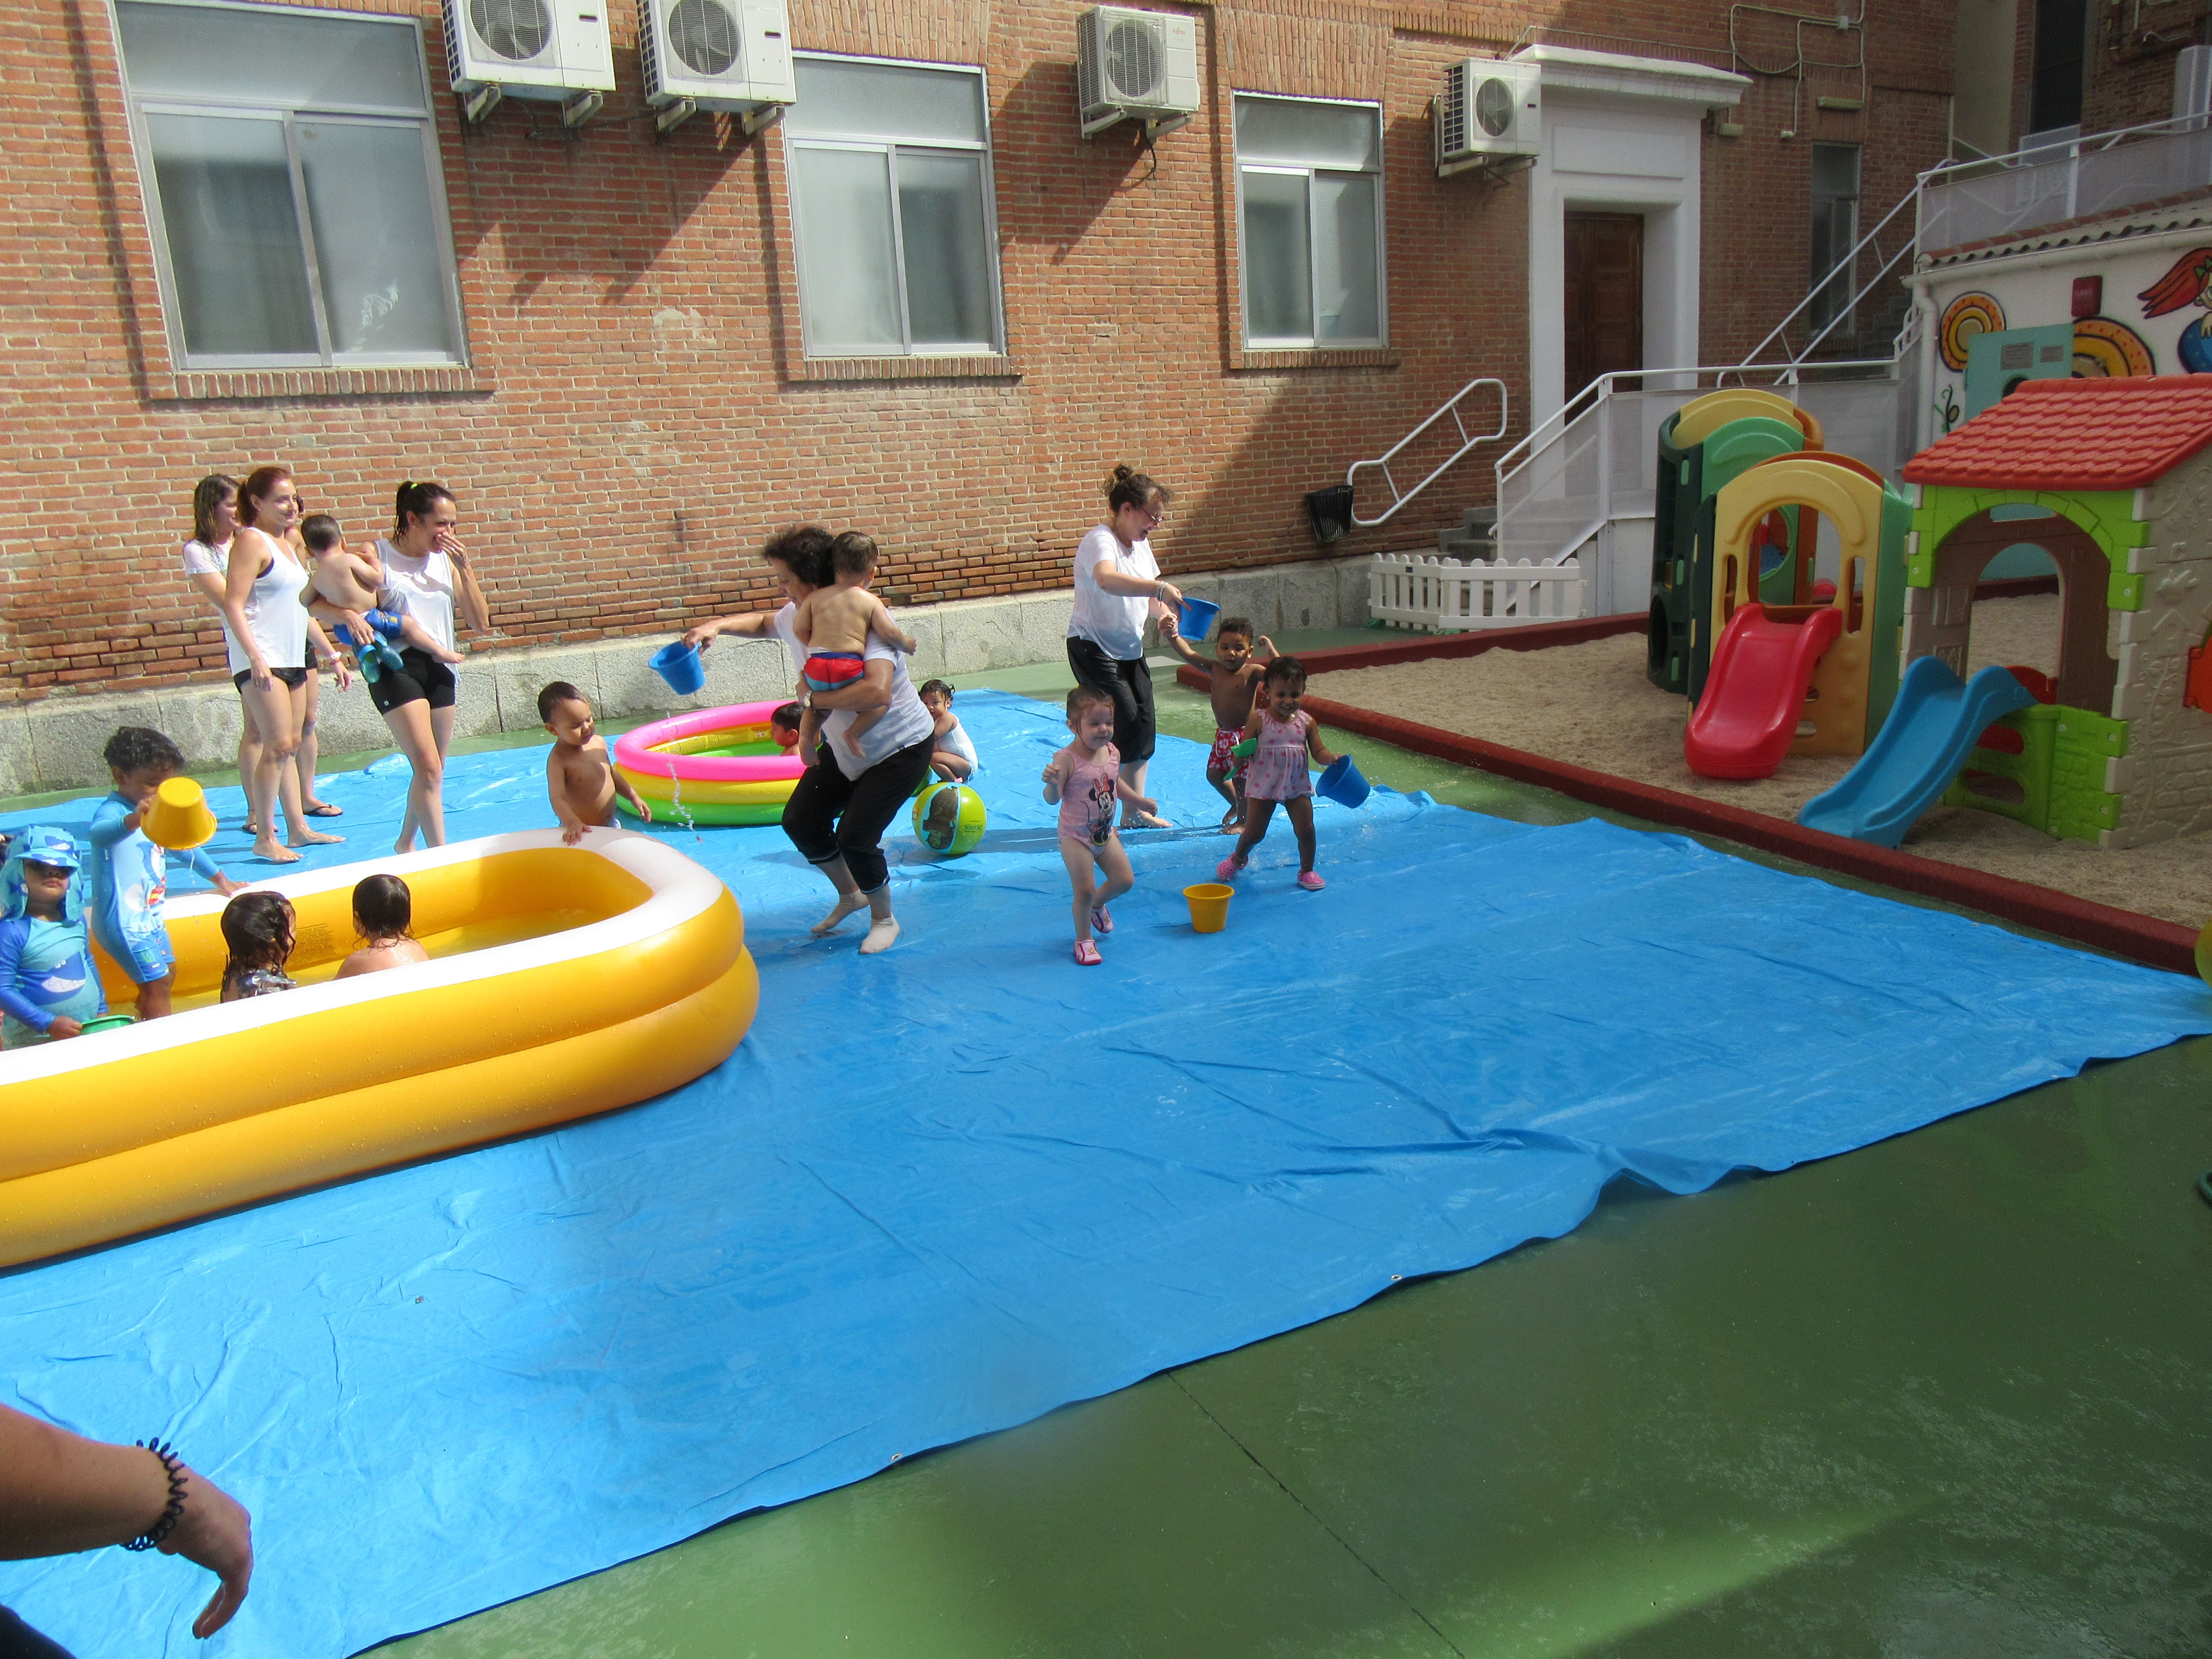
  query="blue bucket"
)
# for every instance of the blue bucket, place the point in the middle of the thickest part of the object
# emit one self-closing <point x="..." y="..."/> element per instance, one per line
<point x="1342" y="783"/>
<point x="1197" y="619"/>
<point x="679" y="664"/>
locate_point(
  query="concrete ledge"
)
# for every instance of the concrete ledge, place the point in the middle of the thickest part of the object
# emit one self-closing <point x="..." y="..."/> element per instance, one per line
<point x="55" y="743"/>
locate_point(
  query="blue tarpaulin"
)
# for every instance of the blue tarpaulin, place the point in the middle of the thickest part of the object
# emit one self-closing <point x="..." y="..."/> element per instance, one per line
<point x="943" y="1190"/>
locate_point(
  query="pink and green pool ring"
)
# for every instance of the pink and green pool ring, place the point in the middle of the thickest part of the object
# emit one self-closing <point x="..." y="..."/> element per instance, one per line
<point x="710" y="765"/>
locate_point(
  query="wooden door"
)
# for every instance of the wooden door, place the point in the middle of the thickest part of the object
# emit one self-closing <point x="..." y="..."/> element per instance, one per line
<point x="1604" y="299"/>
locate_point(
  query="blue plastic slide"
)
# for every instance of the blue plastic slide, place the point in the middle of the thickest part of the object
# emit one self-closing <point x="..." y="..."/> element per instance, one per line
<point x="1932" y="727"/>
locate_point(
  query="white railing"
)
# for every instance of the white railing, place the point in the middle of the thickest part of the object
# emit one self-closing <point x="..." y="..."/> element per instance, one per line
<point x="2008" y="196"/>
<point x="1412" y="590"/>
<point x="1590" y="464"/>
<point x="1398" y="497"/>
<point x="1848" y="263"/>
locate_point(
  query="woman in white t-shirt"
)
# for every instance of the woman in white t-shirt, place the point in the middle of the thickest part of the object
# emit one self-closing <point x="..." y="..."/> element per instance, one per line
<point x="268" y="632"/>
<point x="206" y="557"/>
<point x="426" y="563"/>
<point x="1117" y="590"/>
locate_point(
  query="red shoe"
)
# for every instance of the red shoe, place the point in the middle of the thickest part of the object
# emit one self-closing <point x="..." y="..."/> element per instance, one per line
<point x="1311" y="882"/>
<point x="1100" y="922"/>
<point x="1087" y="953"/>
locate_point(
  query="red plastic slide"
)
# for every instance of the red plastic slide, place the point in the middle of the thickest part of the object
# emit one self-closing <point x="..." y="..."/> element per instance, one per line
<point x="1754" y="694"/>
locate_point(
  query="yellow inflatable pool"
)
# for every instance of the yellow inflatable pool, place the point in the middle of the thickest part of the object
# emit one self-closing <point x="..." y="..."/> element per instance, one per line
<point x="565" y="980"/>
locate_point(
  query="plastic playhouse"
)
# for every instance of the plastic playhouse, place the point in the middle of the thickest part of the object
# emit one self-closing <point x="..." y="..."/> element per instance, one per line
<point x="2111" y="478"/>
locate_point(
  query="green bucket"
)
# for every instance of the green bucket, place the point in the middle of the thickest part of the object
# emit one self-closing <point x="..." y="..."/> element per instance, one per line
<point x="109" y="1022"/>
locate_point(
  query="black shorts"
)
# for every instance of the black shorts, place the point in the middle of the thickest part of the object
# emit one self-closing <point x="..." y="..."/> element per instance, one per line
<point x="294" y="677"/>
<point x="421" y="678"/>
<point x="1129" y="685"/>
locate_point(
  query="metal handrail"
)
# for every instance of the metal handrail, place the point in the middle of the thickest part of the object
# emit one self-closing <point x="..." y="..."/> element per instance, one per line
<point x="1450" y="407"/>
<point x="1910" y="198"/>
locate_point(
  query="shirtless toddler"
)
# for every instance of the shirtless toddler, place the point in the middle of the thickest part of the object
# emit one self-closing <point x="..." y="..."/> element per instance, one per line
<point x="1238" y="674"/>
<point x="834" y="624"/>
<point x="355" y="581"/>
<point x="581" y="781"/>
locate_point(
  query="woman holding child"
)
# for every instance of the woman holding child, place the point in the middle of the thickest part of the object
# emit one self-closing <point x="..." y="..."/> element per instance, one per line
<point x="426" y="567"/>
<point x="1117" y="588"/>
<point x="851" y="790"/>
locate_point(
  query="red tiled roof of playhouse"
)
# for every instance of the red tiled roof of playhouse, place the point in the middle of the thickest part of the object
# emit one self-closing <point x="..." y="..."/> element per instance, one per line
<point x="2075" y="434"/>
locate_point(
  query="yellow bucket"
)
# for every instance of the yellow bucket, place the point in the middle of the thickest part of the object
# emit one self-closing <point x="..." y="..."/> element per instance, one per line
<point x="177" y="816"/>
<point x="1209" y="905"/>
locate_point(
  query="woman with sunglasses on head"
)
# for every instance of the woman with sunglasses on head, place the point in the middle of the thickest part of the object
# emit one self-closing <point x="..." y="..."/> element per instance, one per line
<point x="1117" y="589"/>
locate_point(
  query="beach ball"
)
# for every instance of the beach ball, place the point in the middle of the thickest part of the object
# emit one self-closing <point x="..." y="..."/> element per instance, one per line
<point x="949" y="819"/>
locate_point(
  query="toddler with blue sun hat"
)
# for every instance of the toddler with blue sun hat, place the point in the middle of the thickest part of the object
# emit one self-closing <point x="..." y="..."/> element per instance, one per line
<point x="49" y="986"/>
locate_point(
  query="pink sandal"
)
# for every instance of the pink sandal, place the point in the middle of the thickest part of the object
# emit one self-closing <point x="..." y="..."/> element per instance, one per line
<point x="1100" y="922"/>
<point x="1310" y="881"/>
<point x="1229" y="869"/>
<point x="1087" y="953"/>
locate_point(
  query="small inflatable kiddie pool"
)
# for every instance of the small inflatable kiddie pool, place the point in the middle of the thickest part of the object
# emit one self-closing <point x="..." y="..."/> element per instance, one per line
<point x="711" y="766"/>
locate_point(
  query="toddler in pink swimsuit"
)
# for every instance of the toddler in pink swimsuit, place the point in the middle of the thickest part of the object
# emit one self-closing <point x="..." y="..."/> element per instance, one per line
<point x="1085" y="780"/>
<point x="1285" y="736"/>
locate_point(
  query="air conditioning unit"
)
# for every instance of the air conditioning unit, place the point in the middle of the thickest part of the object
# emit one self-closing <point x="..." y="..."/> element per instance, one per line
<point x="548" y="49"/>
<point x="732" y="55"/>
<point x="1136" y="65"/>
<point x="1490" y="115"/>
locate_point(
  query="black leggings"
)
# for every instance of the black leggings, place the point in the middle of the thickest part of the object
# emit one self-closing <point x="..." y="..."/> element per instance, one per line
<point x="1130" y="684"/>
<point x="831" y="816"/>
<point x="18" y="1641"/>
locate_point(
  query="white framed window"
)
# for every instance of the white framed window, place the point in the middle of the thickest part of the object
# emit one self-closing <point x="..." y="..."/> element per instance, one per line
<point x="891" y="206"/>
<point x="299" y="214"/>
<point x="1309" y="222"/>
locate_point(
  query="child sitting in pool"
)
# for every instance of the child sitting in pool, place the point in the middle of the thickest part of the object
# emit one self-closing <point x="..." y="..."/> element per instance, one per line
<point x="384" y="917"/>
<point x="783" y="725"/>
<point x="355" y="581"/>
<point x="1237" y="665"/>
<point x="258" y="927"/>
<point x="1085" y="780"/>
<point x="48" y="986"/>
<point x="131" y="874"/>
<point x="1283" y="739"/>
<point x="581" y="781"/>
<point x="952" y="755"/>
<point x="834" y="624"/>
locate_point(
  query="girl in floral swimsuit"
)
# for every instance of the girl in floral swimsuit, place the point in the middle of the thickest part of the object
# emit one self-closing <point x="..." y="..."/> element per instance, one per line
<point x="1285" y="737"/>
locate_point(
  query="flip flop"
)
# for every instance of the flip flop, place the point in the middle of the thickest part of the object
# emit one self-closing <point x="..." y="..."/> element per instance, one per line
<point x="322" y="809"/>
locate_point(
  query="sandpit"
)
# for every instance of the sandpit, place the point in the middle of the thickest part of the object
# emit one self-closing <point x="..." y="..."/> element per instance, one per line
<point x="1591" y="705"/>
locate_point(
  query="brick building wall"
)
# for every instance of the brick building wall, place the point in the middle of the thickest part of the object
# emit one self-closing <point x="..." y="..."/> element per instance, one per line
<point x="638" y="413"/>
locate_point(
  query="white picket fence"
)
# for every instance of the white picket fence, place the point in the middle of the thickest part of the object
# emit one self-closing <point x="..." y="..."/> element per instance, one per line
<point x="1409" y="590"/>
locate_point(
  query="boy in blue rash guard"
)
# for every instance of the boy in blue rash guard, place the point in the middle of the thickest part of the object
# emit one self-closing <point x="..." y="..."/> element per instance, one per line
<point x="48" y="985"/>
<point x="130" y="874"/>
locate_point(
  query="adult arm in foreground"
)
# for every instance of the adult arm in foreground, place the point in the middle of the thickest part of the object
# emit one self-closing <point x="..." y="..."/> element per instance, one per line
<point x="60" y="1494"/>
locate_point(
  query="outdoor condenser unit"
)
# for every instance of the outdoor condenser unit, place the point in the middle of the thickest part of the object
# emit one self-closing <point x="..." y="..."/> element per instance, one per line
<point x="732" y="55"/>
<point x="1490" y="114"/>
<point x="1136" y="65"/>
<point x="545" y="49"/>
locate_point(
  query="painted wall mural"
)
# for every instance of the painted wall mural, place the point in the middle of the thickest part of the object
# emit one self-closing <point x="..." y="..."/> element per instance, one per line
<point x="2184" y="285"/>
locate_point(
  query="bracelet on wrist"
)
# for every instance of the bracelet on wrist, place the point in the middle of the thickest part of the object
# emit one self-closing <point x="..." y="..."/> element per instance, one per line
<point x="174" y="1466"/>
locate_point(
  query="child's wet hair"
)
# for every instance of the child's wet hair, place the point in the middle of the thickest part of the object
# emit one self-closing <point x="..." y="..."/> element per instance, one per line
<point x="137" y="748"/>
<point x="853" y="554"/>
<point x="1085" y="696"/>
<point x="937" y="686"/>
<point x="320" y="531"/>
<point x="789" y="716"/>
<point x="554" y="696"/>
<point x="383" y="908"/>
<point x="1235" y="625"/>
<point x="1289" y="670"/>
<point x="258" y="928"/>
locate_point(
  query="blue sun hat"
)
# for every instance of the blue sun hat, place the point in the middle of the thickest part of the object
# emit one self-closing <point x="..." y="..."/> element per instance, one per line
<point x="42" y="843"/>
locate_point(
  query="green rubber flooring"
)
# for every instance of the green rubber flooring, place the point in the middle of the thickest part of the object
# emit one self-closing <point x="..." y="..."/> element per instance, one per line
<point x="1947" y="1397"/>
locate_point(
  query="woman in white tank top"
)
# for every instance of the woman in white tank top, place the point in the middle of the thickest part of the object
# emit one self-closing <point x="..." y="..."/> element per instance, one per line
<point x="268" y="631"/>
